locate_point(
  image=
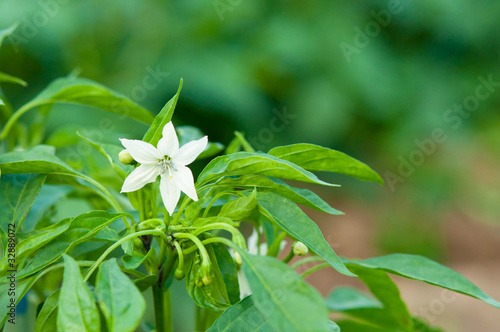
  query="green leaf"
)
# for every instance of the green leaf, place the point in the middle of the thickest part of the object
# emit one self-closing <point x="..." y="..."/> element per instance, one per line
<point x="77" y="309"/>
<point x="227" y="269"/>
<point x="154" y="132"/>
<point x="6" y="288"/>
<point x="33" y="243"/>
<point x="11" y="79"/>
<point x="4" y="33"/>
<point x="103" y="149"/>
<point x="423" y="269"/>
<point x="48" y="196"/>
<point x="317" y="158"/>
<point x="47" y="318"/>
<point x="84" y="92"/>
<point x="392" y="315"/>
<point x="297" y="195"/>
<point x="297" y="224"/>
<point x="146" y="281"/>
<point x="241" y="163"/>
<point x="242" y="317"/>
<point x="240" y="208"/>
<point x="18" y="192"/>
<point x="79" y="229"/>
<point x="282" y="296"/>
<point x="121" y="302"/>
<point x="349" y="298"/>
<point x="36" y="160"/>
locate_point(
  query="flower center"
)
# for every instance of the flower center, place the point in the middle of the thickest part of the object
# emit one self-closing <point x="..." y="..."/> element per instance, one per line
<point x="165" y="165"/>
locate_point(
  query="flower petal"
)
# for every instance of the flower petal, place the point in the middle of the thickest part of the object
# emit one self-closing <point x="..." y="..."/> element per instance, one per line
<point x="188" y="152"/>
<point x="142" y="152"/>
<point x="142" y="175"/>
<point x="183" y="179"/>
<point x="170" y="194"/>
<point x="168" y="145"/>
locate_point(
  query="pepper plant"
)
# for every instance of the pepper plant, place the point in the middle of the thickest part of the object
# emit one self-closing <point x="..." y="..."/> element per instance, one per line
<point x="90" y="272"/>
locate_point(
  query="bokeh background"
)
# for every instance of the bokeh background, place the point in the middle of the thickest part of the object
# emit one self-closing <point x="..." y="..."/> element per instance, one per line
<point x="374" y="79"/>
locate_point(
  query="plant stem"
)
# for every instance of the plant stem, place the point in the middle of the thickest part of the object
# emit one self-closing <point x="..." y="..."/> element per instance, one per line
<point x="314" y="269"/>
<point x="178" y="214"/>
<point x="118" y="243"/>
<point x="159" y="308"/>
<point x="307" y="260"/>
<point x="289" y="257"/>
<point x="203" y="252"/>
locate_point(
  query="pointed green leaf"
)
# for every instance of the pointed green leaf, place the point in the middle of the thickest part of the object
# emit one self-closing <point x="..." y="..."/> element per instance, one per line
<point x="423" y="269"/>
<point x="47" y="318"/>
<point x="11" y="79"/>
<point x="4" y="33"/>
<point x="154" y="132"/>
<point x="79" y="229"/>
<point x="6" y="288"/>
<point x="77" y="309"/>
<point x="297" y="224"/>
<point x="393" y="314"/>
<point x="297" y="195"/>
<point x="121" y="302"/>
<point x="18" y="192"/>
<point x="240" y="208"/>
<point x="242" y="317"/>
<point x="241" y="163"/>
<point x="282" y="296"/>
<point x="317" y="158"/>
<point x="348" y="298"/>
<point x="84" y="92"/>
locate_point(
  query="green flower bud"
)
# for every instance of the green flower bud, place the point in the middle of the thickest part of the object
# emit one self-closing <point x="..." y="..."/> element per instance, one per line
<point x="150" y="224"/>
<point x="125" y="157"/>
<point x="237" y="259"/>
<point x="138" y="244"/>
<point x="206" y="280"/>
<point x="300" y="249"/>
<point x="179" y="274"/>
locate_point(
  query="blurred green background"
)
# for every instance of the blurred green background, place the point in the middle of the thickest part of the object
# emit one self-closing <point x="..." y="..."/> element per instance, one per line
<point x="369" y="78"/>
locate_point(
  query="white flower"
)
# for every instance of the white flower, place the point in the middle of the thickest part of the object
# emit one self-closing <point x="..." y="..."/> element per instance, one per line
<point x="168" y="161"/>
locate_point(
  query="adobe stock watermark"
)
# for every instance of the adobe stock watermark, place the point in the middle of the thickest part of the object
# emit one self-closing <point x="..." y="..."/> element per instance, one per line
<point x="372" y="29"/>
<point x="428" y="146"/>
<point x="150" y="81"/>
<point x="223" y="6"/>
<point x="437" y="306"/>
<point x="277" y="124"/>
<point x="30" y="26"/>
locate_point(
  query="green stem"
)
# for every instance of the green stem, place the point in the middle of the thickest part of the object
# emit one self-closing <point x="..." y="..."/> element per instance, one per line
<point x="235" y="232"/>
<point x="307" y="260"/>
<point x="159" y="308"/>
<point x="12" y="120"/>
<point x="244" y="142"/>
<point x="213" y="240"/>
<point x="275" y="246"/>
<point x="314" y="269"/>
<point x="203" y="252"/>
<point x="167" y="267"/>
<point x="178" y="214"/>
<point x="289" y="257"/>
<point x="180" y="254"/>
<point x="118" y="243"/>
